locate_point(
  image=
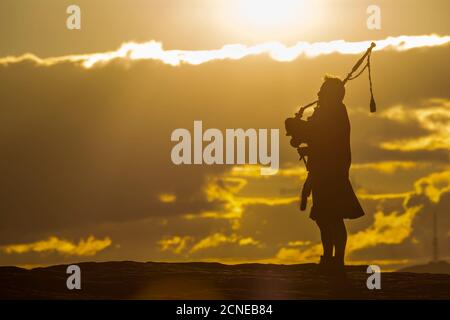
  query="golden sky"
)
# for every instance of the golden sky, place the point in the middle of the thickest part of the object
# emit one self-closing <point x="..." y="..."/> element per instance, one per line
<point x="86" y="118"/>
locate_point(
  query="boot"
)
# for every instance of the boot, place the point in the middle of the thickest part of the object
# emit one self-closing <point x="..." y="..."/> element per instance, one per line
<point x="338" y="267"/>
<point x="325" y="265"/>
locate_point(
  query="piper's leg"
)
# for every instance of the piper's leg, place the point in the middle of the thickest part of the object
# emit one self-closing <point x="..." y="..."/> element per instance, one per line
<point x="340" y="241"/>
<point x="327" y="239"/>
<point x="306" y="191"/>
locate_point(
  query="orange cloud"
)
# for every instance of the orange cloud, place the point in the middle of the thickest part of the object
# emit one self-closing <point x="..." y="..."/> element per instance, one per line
<point x="88" y="247"/>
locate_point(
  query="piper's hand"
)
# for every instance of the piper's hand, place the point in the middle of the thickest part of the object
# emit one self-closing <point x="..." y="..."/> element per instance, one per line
<point x="302" y="151"/>
<point x="299" y="113"/>
<point x="303" y="202"/>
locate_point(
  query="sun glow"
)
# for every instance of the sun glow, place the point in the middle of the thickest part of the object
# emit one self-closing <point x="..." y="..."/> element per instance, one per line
<point x="270" y="13"/>
<point x="271" y="20"/>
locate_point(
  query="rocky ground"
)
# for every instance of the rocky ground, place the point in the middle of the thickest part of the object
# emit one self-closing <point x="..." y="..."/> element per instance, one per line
<point x="135" y="280"/>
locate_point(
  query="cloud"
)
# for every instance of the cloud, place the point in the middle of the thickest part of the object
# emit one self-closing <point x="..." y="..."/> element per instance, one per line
<point x="212" y="241"/>
<point x="393" y="238"/>
<point x="253" y="171"/>
<point x="388" y="167"/>
<point x="292" y="255"/>
<point x="88" y="247"/>
<point x="299" y="243"/>
<point x="218" y="239"/>
<point x="299" y="171"/>
<point x="431" y="194"/>
<point x="175" y="244"/>
<point x="167" y="197"/>
<point x="248" y="241"/>
<point x="153" y="50"/>
<point x="381" y="196"/>
<point x="390" y="228"/>
<point x="434" y="117"/>
<point x="225" y="189"/>
<point x="433" y="185"/>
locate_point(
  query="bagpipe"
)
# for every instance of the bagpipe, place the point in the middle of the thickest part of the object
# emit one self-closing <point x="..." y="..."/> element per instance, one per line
<point x="295" y="124"/>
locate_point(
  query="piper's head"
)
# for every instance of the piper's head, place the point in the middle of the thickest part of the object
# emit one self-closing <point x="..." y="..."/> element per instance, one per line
<point x="332" y="91"/>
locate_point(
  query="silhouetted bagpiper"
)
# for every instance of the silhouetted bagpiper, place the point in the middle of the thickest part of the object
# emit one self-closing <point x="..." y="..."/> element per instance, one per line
<point x="323" y="143"/>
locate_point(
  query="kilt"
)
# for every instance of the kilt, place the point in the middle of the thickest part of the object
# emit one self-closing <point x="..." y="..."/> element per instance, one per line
<point x="333" y="197"/>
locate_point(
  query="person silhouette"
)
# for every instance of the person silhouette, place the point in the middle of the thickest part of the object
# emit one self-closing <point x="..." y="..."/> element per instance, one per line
<point x="327" y="134"/>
